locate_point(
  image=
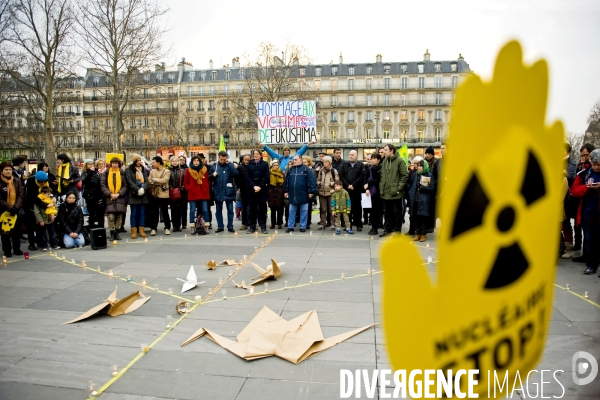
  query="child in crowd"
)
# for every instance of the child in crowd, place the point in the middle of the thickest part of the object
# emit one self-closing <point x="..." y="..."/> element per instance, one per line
<point x="340" y="207"/>
<point x="44" y="217"/>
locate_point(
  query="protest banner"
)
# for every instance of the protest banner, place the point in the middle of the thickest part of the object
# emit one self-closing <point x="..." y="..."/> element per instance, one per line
<point x="287" y="122"/>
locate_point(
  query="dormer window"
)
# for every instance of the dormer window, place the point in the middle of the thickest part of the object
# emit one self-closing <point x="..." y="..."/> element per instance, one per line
<point x="403" y="68"/>
<point x="351" y="70"/>
<point x="421" y="68"/>
<point x="369" y="69"/>
<point x="147" y="78"/>
<point x="158" y="78"/>
<point x="96" y="81"/>
<point x="213" y="75"/>
<point x="334" y="70"/>
<point x="387" y="69"/>
<point x="317" y="71"/>
<point x="171" y="78"/>
<point x="191" y="76"/>
<point x="302" y="71"/>
<point x="203" y="76"/>
<point x="438" y="67"/>
<point x="453" y="67"/>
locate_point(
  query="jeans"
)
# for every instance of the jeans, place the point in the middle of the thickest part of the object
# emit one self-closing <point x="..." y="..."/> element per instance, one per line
<point x="137" y="217"/>
<point x="156" y="206"/>
<point x="69" y="242"/>
<point x="229" y="205"/>
<point x="202" y="206"/>
<point x="192" y="211"/>
<point x="303" y="215"/>
<point x="49" y="228"/>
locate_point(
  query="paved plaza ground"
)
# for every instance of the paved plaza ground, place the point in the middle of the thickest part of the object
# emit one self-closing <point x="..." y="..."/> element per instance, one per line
<point x="42" y="359"/>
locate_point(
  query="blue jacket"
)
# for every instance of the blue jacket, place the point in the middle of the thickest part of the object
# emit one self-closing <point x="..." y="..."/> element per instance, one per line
<point x="222" y="186"/>
<point x="258" y="174"/>
<point x="299" y="183"/>
<point x="285" y="160"/>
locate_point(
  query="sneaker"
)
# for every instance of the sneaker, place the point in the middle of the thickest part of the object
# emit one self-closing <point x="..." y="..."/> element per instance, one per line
<point x="45" y="249"/>
<point x="351" y="232"/>
<point x="265" y="231"/>
<point x="250" y="230"/>
<point x="337" y="232"/>
<point x="167" y="232"/>
<point x="243" y="228"/>
<point x="153" y="232"/>
<point x="56" y="247"/>
<point x="321" y="228"/>
<point x="333" y="228"/>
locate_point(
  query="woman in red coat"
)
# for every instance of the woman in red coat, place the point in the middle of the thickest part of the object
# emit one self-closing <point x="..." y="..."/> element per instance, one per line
<point x="197" y="185"/>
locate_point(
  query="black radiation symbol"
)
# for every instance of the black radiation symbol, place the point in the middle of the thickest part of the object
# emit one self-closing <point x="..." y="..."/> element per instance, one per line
<point x="510" y="262"/>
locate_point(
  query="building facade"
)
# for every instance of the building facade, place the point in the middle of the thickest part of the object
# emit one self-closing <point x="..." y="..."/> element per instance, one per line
<point x="185" y="111"/>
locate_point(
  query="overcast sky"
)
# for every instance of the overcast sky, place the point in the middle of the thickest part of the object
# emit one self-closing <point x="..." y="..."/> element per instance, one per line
<point x="565" y="33"/>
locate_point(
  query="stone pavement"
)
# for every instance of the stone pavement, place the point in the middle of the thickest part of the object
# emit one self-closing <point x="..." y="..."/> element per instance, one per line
<point x="42" y="359"/>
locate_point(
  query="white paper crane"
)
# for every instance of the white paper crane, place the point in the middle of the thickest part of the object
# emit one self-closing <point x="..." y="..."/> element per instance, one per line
<point x="191" y="280"/>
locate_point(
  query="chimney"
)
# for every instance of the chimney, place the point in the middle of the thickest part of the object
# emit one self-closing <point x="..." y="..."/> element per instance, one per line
<point x="460" y="57"/>
<point x="378" y="58"/>
<point x="210" y="64"/>
<point x="235" y="62"/>
<point x="426" y="56"/>
<point x="341" y="58"/>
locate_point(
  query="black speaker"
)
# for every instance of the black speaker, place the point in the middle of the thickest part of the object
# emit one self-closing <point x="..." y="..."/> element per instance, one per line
<point x="98" y="238"/>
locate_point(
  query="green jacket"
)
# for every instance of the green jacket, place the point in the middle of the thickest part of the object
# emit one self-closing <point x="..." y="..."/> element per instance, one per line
<point x="394" y="176"/>
<point x="340" y="202"/>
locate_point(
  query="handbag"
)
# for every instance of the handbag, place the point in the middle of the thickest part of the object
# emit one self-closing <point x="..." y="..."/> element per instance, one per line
<point x="175" y="193"/>
<point x="79" y="185"/>
<point x="156" y="188"/>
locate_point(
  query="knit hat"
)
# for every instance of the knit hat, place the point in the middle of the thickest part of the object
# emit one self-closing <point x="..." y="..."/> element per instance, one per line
<point x="417" y="158"/>
<point x="41" y="176"/>
<point x="274" y="162"/>
<point x="286" y="148"/>
<point x="135" y="157"/>
<point x="88" y="160"/>
<point x="429" y="150"/>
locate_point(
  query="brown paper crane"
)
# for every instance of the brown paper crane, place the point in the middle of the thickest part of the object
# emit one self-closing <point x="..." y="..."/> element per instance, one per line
<point x="212" y="264"/>
<point x="115" y="307"/>
<point x="272" y="272"/>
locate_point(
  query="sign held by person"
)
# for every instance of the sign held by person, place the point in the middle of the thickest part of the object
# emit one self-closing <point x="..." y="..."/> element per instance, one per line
<point x="282" y="122"/>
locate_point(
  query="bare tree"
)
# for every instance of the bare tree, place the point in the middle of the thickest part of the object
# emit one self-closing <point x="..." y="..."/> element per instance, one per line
<point x="592" y="133"/>
<point x="121" y="38"/>
<point x="576" y="141"/>
<point x="38" y="56"/>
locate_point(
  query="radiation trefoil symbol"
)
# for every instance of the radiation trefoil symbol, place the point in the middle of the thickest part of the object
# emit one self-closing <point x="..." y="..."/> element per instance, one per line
<point x="501" y="211"/>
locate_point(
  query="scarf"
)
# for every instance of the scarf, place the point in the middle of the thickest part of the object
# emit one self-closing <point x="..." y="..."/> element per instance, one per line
<point x="11" y="197"/>
<point x="276" y="177"/>
<point x="114" y="180"/>
<point x="47" y="200"/>
<point x="139" y="175"/>
<point x="425" y="168"/>
<point x="64" y="173"/>
<point x="197" y="173"/>
<point x="41" y="185"/>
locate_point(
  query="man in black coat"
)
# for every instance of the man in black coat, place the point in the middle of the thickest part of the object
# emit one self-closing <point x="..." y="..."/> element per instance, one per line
<point x="242" y="185"/>
<point x="353" y="176"/>
<point x="257" y="179"/>
<point x="337" y="161"/>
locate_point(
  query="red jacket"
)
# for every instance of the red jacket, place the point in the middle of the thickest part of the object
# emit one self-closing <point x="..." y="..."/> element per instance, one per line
<point x="578" y="190"/>
<point x="195" y="191"/>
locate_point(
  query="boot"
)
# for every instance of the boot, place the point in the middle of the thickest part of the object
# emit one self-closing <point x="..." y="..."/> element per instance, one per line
<point x="141" y="232"/>
<point x="423" y="238"/>
<point x="568" y="251"/>
<point x="134" y="233"/>
<point x="416" y="238"/>
<point x="112" y="236"/>
<point x="117" y="237"/>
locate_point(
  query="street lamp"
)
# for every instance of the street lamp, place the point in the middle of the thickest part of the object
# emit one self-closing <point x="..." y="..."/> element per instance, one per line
<point x="376" y="123"/>
<point x="226" y="139"/>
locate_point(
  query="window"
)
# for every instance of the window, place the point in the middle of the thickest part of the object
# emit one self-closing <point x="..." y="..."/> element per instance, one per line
<point x="240" y="137"/>
<point x="334" y="101"/>
<point x="453" y="67"/>
<point x="107" y="123"/>
<point x="211" y="121"/>
<point x="240" y="88"/>
<point x="227" y="75"/>
<point x="334" y="84"/>
<point x="171" y="122"/>
<point x="369" y="133"/>
<point x="211" y="104"/>
<point x="190" y="90"/>
<point x="403" y="115"/>
<point x="386" y="100"/>
<point x="403" y="68"/>
<point x="170" y="90"/>
<point x="404" y="83"/>
<point x="454" y="81"/>
<point x="317" y="85"/>
<point x="437" y="132"/>
<point x="350" y="84"/>
<point x="157" y="106"/>
<point x="369" y="100"/>
<point x="212" y="138"/>
<point x="369" y="83"/>
<point x="213" y="76"/>
<point x="421" y="99"/>
<point x="146" y="123"/>
<point x="386" y="115"/>
<point x="158" y="123"/>
<point x="403" y="100"/>
<point x="302" y="71"/>
<point x="421" y="82"/>
<point x="159" y="78"/>
<point x="420" y="68"/>
<point x="369" y="69"/>
<point x="386" y="133"/>
<point x="240" y="121"/>
<point x="403" y="135"/>
<point x="438" y="98"/>
<point x="201" y="91"/>
<point x="421" y="134"/>
<point x="421" y="115"/>
<point x="211" y="89"/>
<point x="317" y="71"/>
<point x="350" y="116"/>
<point x="189" y="106"/>
<point x="437" y="67"/>
<point x="96" y="139"/>
<point x="333" y="116"/>
<point x="226" y="89"/>
<point x="132" y="125"/>
<point x="242" y="73"/>
<point x="191" y="76"/>
<point x="438" y="82"/>
<point x="369" y="116"/>
<point x="171" y="78"/>
<point x="95" y="124"/>
<point x="438" y="115"/>
<point x="95" y="81"/>
<point x="387" y="69"/>
<point x="200" y="105"/>
<point x="334" y="134"/>
<point x="351" y="70"/>
<point x="79" y="125"/>
<point x="225" y="104"/>
<point x="334" y="70"/>
<point x="350" y="101"/>
<point x="386" y="83"/>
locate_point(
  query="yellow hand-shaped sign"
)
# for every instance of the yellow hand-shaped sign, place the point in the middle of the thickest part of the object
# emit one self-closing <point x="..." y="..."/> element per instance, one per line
<point x="7" y="221"/>
<point x="497" y="250"/>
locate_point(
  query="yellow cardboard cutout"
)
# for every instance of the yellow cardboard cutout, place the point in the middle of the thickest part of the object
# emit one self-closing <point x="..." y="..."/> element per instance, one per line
<point x="109" y="156"/>
<point x="490" y="307"/>
<point x="7" y="221"/>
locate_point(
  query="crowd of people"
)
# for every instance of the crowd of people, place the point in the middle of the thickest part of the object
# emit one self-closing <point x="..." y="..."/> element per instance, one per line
<point x="377" y="192"/>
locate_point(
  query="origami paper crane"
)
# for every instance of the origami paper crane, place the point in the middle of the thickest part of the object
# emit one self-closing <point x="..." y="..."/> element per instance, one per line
<point x="190" y="282"/>
<point x="212" y="264"/>
<point x="270" y="335"/>
<point x="241" y="285"/>
<point x="272" y="272"/>
<point x="115" y="307"/>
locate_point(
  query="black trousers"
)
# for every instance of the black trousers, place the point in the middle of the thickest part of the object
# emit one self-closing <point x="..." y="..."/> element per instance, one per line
<point x="32" y="228"/>
<point x="179" y="213"/>
<point x="393" y="215"/>
<point x="276" y="215"/>
<point x="11" y="242"/>
<point x="421" y="224"/>
<point x="245" y="209"/>
<point x="156" y="206"/>
<point x="355" y="208"/>
<point x="257" y="211"/>
<point x="376" y="211"/>
<point x="96" y="213"/>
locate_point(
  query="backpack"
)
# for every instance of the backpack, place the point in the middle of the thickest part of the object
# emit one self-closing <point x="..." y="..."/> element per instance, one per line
<point x="199" y="226"/>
